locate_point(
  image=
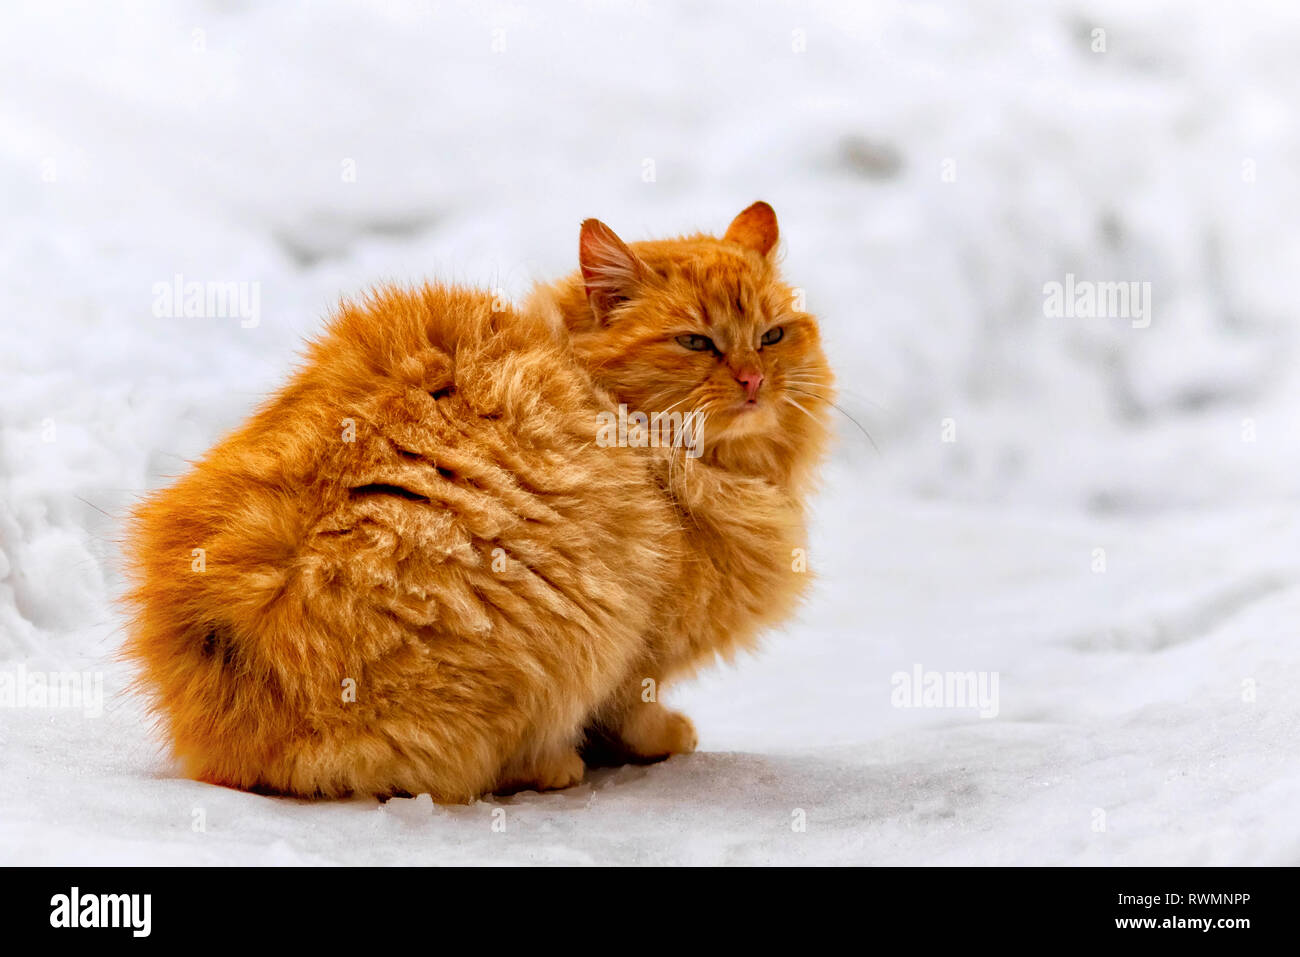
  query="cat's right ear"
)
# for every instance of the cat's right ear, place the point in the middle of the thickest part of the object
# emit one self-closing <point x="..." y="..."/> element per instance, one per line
<point x="610" y="270"/>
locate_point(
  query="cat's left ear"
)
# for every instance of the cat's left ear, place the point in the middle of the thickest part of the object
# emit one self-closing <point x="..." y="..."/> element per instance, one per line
<point x="610" y="270"/>
<point x="755" y="228"/>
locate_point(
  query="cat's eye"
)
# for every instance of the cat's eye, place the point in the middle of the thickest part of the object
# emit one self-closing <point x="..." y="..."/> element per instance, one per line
<point x="773" y="336"/>
<point x="696" y="343"/>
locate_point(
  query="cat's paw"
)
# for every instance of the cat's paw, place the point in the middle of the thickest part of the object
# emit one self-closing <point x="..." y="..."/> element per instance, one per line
<point x="653" y="733"/>
<point x="554" y="773"/>
<point x="679" y="735"/>
<point x="563" y="772"/>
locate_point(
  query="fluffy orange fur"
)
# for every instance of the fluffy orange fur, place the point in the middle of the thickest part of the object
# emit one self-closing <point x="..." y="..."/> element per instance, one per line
<point x="415" y="570"/>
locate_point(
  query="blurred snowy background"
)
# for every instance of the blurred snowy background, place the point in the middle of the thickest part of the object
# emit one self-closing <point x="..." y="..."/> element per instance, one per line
<point x="1102" y="514"/>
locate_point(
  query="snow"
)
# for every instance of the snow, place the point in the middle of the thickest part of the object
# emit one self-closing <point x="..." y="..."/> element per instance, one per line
<point x="1145" y="706"/>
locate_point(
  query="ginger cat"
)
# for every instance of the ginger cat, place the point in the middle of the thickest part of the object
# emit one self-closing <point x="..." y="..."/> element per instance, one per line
<point x="415" y="570"/>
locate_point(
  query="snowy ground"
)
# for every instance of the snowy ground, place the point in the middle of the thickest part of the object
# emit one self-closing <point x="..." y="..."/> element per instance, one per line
<point x="934" y="165"/>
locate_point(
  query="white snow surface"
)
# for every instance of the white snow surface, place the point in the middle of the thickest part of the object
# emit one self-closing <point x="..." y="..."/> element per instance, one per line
<point x="934" y="165"/>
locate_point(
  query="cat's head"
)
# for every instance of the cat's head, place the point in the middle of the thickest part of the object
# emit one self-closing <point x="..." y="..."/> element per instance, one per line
<point x="705" y="326"/>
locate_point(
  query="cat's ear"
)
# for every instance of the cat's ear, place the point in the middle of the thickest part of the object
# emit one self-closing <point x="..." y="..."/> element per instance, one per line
<point x="755" y="228"/>
<point x="610" y="271"/>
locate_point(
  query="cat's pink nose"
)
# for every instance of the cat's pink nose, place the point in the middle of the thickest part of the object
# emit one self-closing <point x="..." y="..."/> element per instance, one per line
<point x="751" y="379"/>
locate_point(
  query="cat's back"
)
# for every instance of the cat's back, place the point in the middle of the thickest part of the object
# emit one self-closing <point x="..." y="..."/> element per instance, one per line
<point x="400" y="386"/>
<point x="423" y="512"/>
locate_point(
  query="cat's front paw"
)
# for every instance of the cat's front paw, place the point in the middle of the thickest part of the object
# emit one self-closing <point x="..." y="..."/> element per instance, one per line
<point x="553" y="773"/>
<point x="563" y="772"/>
<point x="653" y="733"/>
<point x="680" y="736"/>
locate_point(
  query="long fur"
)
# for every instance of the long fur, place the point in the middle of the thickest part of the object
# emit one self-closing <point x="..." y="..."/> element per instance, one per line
<point x="415" y="570"/>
